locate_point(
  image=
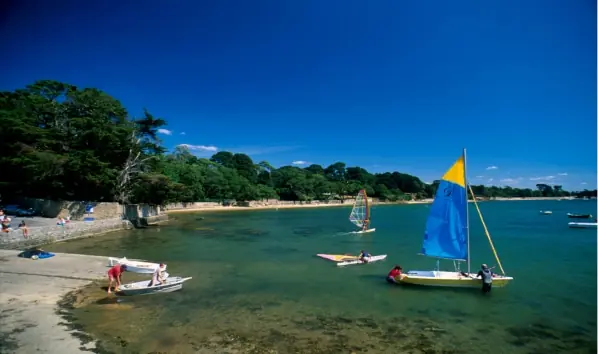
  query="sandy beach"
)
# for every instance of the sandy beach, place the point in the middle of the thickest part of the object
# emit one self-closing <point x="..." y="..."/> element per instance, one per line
<point x="31" y="289"/>
<point x="348" y="203"/>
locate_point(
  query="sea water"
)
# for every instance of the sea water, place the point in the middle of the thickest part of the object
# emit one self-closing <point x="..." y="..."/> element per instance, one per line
<point x="257" y="286"/>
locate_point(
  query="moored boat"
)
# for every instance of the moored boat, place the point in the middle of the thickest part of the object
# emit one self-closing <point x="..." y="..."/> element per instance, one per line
<point x="141" y="287"/>
<point x="134" y="265"/>
<point x="583" y="225"/>
<point x="579" y="216"/>
<point x="447" y="235"/>
<point x="545" y="212"/>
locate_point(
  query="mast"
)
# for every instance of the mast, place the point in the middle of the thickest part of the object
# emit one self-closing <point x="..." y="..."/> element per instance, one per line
<point x="466" y="208"/>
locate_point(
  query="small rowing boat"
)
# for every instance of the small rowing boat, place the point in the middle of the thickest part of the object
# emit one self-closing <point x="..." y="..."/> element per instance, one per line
<point x="135" y="265"/>
<point x="545" y="212"/>
<point x="141" y="287"/>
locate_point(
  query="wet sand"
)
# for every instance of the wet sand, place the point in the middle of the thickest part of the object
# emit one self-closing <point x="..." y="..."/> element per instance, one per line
<point x="31" y="289"/>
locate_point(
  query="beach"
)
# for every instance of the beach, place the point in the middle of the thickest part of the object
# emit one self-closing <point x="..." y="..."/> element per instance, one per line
<point x="348" y="203"/>
<point x="32" y="321"/>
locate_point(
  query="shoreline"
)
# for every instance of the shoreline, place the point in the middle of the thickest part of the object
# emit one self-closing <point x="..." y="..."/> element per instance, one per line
<point x="33" y="299"/>
<point x="349" y="203"/>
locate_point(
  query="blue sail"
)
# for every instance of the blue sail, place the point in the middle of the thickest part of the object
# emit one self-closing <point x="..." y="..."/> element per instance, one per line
<point x="446" y="227"/>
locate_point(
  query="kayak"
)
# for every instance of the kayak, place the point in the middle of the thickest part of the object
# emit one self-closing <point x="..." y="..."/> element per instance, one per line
<point x="36" y="254"/>
<point x="337" y="257"/>
<point x="357" y="261"/>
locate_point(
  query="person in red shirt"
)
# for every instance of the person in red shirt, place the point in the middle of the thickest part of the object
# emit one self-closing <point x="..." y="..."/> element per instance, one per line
<point x="115" y="274"/>
<point x="394" y="274"/>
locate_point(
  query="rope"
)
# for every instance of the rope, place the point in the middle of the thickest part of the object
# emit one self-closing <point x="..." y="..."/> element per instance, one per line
<point x="486" y="230"/>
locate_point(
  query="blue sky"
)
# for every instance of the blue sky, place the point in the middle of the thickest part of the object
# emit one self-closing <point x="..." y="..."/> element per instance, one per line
<point x="386" y="85"/>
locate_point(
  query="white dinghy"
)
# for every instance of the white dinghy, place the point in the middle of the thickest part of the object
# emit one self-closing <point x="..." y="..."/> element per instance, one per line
<point x="135" y="265"/>
<point x="141" y="287"/>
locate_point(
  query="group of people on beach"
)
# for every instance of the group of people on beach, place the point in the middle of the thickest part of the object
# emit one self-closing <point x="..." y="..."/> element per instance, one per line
<point x="115" y="276"/>
<point x="5" y="223"/>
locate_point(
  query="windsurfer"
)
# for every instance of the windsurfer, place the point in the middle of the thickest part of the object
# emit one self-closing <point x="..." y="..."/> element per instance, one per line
<point x="364" y="256"/>
<point x="394" y="274"/>
<point x="115" y="275"/>
<point x="366" y="224"/>
<point x="486" y="274"/>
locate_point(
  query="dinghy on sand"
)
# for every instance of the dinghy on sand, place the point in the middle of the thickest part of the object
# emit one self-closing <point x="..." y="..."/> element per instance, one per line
<point x="135" y="265"/>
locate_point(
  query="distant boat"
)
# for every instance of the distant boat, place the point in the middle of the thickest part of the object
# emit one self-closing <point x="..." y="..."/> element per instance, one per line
<point x="360" y="214"/>
<point x="447" y="235"/>
<point x="545" y="212"/>
<point x="579" y="216"/>
<point x="583" y="225"/>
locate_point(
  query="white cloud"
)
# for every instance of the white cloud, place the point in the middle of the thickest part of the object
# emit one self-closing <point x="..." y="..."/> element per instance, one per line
<point x="165" y="131"/>
<point x="479" y="176"/>
<point x="200" y="147"/>
<point x="563" y="174"/>
<point x="543" y="178"/>
<point x="299" y="162"/>
<point x="490" y="179"/>
<point x="183" y="133"/>
<point x="511" y="180"/>
<point x="584" y="182"/>
<point x="491" y="168"/>
<point x="260" y="150"/>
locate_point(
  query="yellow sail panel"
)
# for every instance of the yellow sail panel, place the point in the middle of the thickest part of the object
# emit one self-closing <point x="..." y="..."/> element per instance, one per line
<point x="456" y="174"/>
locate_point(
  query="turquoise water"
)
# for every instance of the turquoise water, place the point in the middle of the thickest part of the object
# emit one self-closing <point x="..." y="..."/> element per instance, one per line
<point x="257" y="286"/>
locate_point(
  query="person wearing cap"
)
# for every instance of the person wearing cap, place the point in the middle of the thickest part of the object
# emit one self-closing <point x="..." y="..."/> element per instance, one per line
<point x="158" y="277"/>
<point x="486" y="274"/>
<point x="115" y="275"/>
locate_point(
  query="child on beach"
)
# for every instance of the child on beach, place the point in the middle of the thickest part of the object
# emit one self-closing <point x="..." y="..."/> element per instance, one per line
<point x="23" y="227"/>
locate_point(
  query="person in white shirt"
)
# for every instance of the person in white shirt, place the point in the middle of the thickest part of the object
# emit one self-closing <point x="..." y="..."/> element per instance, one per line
<point x="158" y="278"/>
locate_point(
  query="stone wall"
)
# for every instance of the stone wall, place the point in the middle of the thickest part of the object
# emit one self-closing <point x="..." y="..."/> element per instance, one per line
<point x="48" y="234"/>
<point x="74" y="209"/>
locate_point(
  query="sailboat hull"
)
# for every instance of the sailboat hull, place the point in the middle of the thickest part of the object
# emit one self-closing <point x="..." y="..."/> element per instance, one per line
<point x="364" y="232"/>
<point x="448" y="279"/>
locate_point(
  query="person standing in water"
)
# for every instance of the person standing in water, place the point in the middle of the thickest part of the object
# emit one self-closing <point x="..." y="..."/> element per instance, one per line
<point x="486" y="274"/>
<point x="394" y="274"/>
<point x="115" y="275"/>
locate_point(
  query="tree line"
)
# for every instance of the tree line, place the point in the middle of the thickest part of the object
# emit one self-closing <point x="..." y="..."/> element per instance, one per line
<point x="62" y="142"/>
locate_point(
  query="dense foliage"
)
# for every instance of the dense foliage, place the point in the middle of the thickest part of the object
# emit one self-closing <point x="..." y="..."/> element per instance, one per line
<point x="62" y="142"/>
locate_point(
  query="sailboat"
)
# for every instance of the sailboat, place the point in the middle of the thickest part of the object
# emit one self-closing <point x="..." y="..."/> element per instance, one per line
<point x="360" y="215"/>
<point x="447" y="235"/>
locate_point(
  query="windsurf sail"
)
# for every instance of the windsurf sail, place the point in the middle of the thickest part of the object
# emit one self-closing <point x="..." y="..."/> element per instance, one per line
<point x="337" y="257"/>
<point x="360" y="215"/>
<point x="446" y="227"/>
